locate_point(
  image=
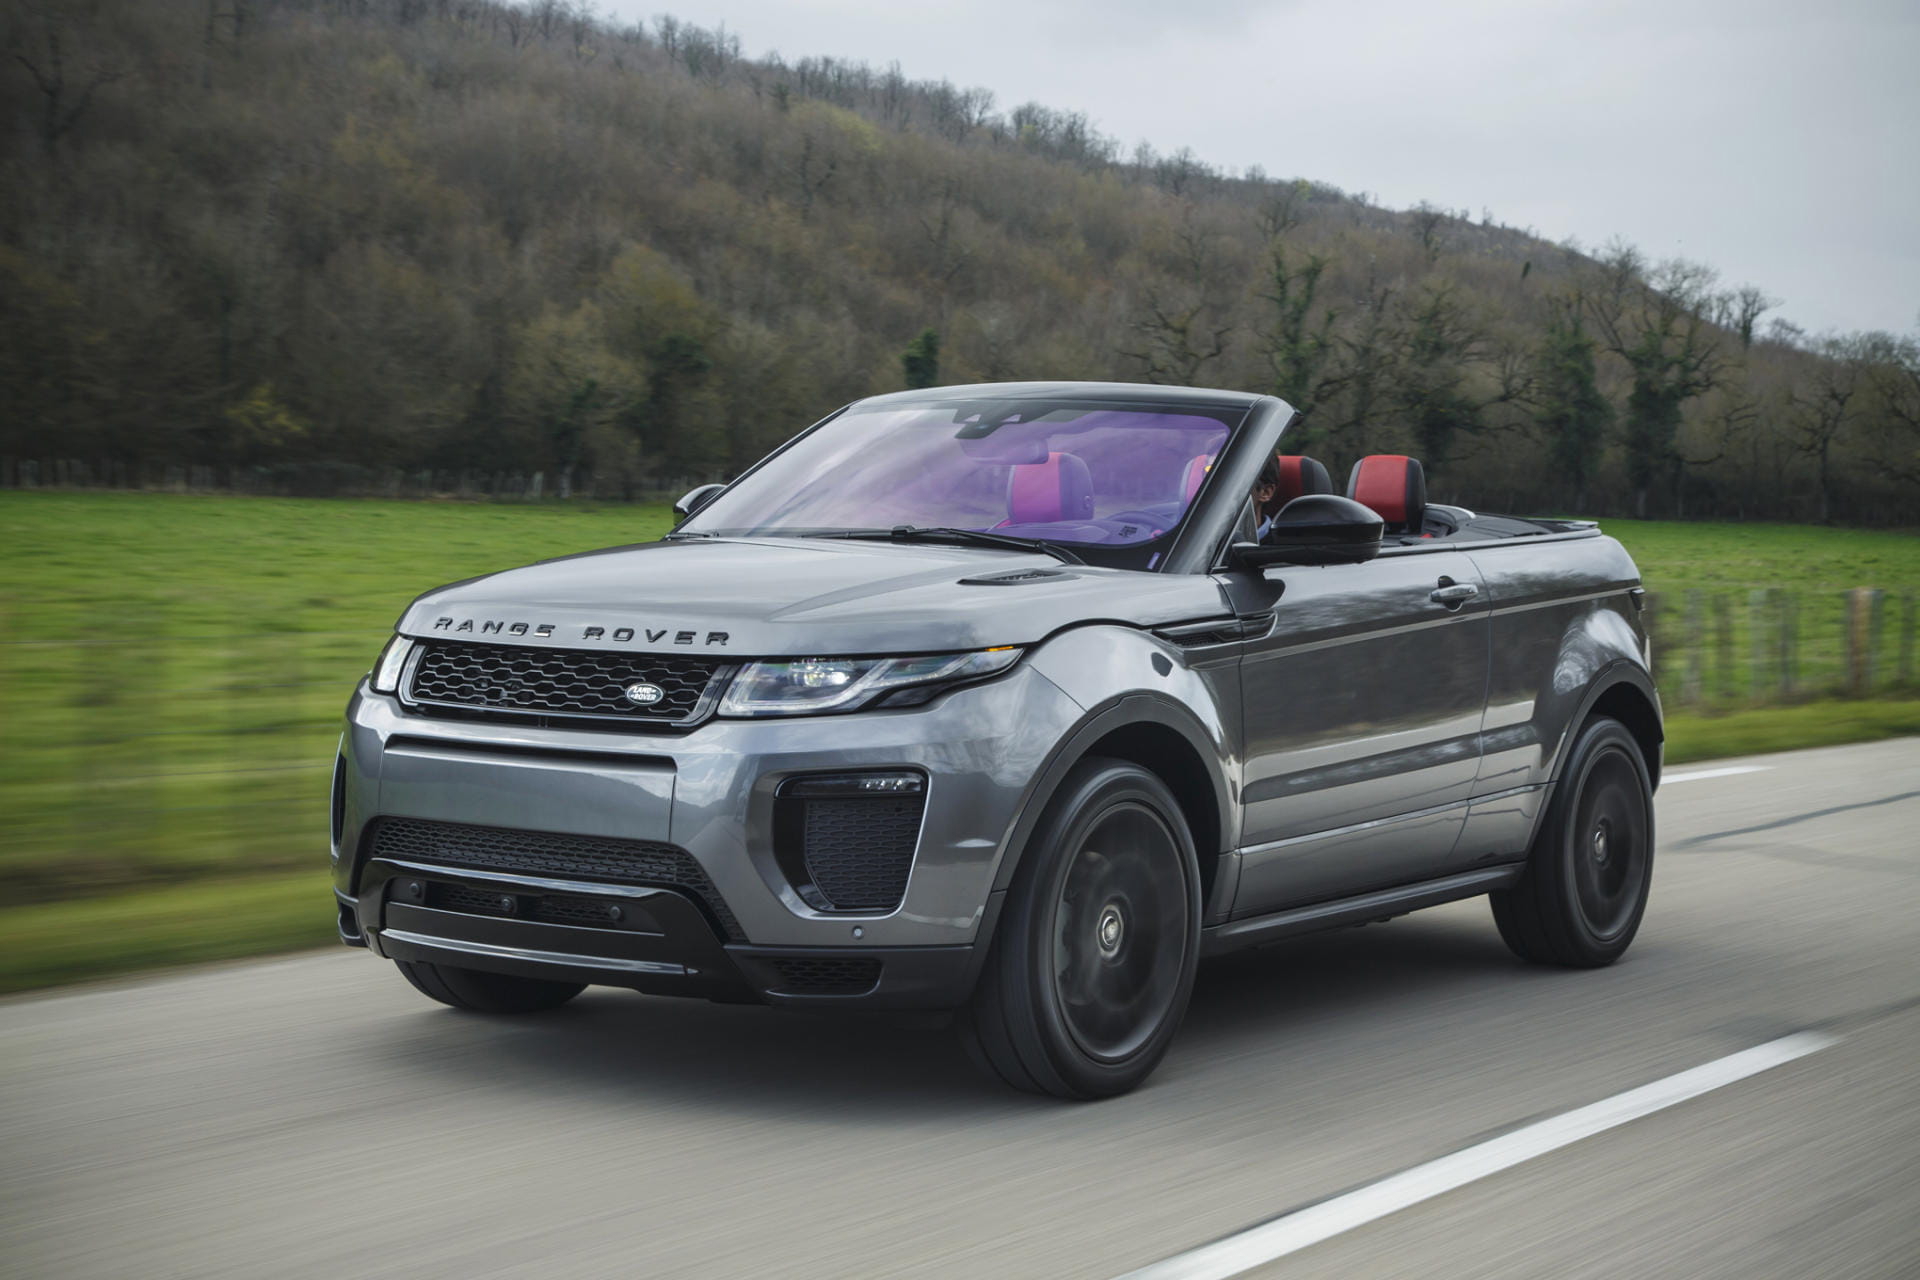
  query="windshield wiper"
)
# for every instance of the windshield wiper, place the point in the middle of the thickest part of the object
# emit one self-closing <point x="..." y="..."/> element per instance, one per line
<point x="967" y="537"/>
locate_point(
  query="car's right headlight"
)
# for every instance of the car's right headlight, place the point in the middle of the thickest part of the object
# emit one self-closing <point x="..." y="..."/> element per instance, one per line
<point x="385" y="676"/>
<point x="809" y="685"/>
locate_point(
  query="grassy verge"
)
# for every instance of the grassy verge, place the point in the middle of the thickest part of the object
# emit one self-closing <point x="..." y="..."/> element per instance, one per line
<point x="55" y="942"/>
<point x="1693" y="736"/>
<point x="172" y="671"/>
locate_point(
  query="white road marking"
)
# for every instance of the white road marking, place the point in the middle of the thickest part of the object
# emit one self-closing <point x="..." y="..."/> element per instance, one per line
<point x="1292" y="1232"/>
<point x="1726" y="771"/>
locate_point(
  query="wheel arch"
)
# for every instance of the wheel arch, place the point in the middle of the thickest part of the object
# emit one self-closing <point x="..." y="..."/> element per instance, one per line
<point x="1624" y="691"/>
<point x="1158" y="736"/>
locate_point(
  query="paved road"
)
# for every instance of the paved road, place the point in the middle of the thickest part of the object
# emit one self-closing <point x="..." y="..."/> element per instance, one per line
<point x="315" y="1117"/>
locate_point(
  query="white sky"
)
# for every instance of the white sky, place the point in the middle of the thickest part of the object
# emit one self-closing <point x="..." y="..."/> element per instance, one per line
<point x="1773" y="141"/>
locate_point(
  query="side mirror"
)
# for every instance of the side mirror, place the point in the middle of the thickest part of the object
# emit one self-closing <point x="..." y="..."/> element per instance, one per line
<point x="1316" y="528"/>
<point x="694" y="499"/>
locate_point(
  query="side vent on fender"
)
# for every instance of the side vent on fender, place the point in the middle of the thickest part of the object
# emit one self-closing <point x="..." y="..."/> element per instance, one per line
<point x="1196" y="635"/>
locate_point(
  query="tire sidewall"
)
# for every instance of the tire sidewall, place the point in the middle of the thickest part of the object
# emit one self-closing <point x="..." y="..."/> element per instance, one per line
<point x="1091" y="792"/>
<point x="1601" y="739"/>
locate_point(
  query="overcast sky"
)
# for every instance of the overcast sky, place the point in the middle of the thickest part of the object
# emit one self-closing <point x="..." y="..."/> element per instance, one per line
<point x="1774" y="141"/>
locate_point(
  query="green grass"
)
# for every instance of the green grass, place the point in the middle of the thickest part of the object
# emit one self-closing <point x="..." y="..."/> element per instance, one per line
<point x="172" y="671"/>
<point x="55" y="942"/>
<point x="1817" y="565"/>
<point x="1694" y="736"/>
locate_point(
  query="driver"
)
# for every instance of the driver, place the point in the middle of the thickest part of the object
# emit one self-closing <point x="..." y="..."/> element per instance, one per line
<point x="1264" y="487"/>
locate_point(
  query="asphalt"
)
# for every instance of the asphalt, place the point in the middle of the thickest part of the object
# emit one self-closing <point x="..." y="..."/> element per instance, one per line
<point x="314" y="1116"/>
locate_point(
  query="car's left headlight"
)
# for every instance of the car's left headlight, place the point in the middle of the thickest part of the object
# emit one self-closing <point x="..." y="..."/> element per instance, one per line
<point x="809" y="685"/>
<point x="385" y="676"/>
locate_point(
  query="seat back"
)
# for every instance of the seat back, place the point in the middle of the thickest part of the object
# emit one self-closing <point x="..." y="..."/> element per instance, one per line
<point x="1299" y="476"/>
<point x="1395" y="486"/>
<point x="1061" y="488"/>
<point x="1196" y="475"/>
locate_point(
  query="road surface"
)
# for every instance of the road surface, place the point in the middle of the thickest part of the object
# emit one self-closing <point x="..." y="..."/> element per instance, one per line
<point x="314" y="1116"/>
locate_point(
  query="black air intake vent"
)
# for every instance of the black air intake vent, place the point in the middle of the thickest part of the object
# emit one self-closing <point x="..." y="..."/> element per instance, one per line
<point x="1015" y="577"/>
<point x="827" y="976"/>
<point x="542" y="853"/>
<point x="847" y="841"/>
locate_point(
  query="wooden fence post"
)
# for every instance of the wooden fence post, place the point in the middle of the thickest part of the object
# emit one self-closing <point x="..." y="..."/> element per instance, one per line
<point x="1692" y="682"/>
<point x="1722" y="647"/>
<point x="1863" y="639"/>
<point x="1789" y="643"/>
<point x="1757" y="683"/>
<point x="1906" y="639"/>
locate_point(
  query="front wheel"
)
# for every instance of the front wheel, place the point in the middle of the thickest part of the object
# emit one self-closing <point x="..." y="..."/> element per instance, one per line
<point x="1584" y="890"/>
<point x="1093" y="962"/>
<point x="481" y="992"/>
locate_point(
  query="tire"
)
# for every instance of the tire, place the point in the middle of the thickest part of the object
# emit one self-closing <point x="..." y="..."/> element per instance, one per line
<point x="1584" y="891"/>
<point x="480" y="992"/>
<point x="1093" y="962"/>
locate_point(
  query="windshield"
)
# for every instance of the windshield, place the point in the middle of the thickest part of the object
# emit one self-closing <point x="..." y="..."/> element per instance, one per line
<point x="1087" y="475"/>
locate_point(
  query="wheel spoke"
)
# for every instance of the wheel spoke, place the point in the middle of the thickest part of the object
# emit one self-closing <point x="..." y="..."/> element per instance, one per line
<point x="1120" y="931"/>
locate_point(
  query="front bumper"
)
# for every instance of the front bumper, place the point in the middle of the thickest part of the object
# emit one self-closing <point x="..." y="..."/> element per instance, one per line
<point x="710" y="793"/>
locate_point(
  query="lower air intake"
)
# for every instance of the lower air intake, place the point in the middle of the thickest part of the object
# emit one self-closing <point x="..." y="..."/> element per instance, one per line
<point x="805" y="976"/>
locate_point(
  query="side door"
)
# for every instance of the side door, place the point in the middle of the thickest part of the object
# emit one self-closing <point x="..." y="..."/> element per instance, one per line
<point x="1362" y="711"/>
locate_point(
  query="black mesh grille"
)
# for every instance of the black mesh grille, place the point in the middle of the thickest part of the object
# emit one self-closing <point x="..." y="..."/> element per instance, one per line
<point x="508" y="680"/>
<point x="541" y="853"/>
<point x="827" y="976"/>
<point x="859" y="850"/>
<point x="541" y="909"/>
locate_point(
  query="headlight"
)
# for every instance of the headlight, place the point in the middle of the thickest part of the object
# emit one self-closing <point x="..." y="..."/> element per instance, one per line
<point x="386" y="669"/>
<point x="841" y="684"/>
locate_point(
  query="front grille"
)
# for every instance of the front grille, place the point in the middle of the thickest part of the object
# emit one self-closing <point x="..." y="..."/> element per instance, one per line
<point x="858" y="850"/>
<point x="561" y="684"/>
<point x="539" y="908"/>
<point x="542" y="853"/>
<point x="827" y="976"/>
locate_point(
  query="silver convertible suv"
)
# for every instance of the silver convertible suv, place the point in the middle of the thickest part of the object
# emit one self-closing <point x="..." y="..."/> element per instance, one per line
<point x="1012" y="700"/>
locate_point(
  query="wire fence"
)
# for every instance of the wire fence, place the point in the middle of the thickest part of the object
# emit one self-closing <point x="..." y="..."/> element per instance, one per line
<point x="345" y="479"/>
<point x="136" y="754"/>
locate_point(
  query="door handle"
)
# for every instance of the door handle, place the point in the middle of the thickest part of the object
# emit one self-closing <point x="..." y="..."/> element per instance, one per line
<point x="1453" y="594"/>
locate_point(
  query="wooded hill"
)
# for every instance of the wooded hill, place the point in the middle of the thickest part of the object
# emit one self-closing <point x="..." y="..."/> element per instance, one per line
<point x="316" y="240"/>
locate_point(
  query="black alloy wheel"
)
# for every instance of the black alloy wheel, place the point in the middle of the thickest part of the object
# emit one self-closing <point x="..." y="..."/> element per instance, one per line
<point x="1093" y="961"/>
<point x="1585" y="888"/>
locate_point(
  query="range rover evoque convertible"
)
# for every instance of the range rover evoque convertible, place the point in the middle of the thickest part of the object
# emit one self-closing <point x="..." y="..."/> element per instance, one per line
<point x="989" y="699"/>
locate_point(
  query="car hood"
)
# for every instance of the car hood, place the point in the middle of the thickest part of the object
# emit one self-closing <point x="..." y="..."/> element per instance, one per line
<point x="776" y="597"/>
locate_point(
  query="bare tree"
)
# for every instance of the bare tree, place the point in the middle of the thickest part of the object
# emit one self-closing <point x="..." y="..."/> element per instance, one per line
<point x="1826" y="404"/>
<point x="64" y="97"/>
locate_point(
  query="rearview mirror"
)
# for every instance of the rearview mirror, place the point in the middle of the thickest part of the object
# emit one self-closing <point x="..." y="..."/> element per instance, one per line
<point x="694" y="499"/>
<point x="1316" y="528"/>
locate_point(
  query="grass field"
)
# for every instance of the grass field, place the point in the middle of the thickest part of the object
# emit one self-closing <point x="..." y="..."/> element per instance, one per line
<point x="172" y="671"/>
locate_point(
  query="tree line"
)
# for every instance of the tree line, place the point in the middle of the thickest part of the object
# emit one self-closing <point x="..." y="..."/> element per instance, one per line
<point x="315" y="238"/>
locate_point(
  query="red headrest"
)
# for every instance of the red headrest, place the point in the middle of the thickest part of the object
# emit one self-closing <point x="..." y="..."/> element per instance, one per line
<point x="1299" y="476"/>
<point x="1395" y="486"/>
<point x="1197" y="468"/>
<point x="1061" y="488"/>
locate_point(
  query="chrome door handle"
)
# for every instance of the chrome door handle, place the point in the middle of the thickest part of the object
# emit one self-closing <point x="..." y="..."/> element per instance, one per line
<point x="1453" y="594"/>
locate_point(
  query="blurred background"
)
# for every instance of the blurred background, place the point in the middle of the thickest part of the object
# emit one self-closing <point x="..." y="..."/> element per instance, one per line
<point x="311" y="305"/>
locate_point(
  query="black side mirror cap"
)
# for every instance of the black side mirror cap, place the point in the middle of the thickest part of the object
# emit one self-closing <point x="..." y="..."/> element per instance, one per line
<point x="1316" y="528"/>
<point x="694" y="499"/>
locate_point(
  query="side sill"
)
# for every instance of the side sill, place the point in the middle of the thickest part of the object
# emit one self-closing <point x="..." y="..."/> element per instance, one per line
<point x="1236" y="934"/>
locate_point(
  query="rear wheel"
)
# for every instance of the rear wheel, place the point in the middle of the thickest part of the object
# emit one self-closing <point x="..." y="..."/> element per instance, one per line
<point x="1094" y="958"/>
<point x="1584" y="891"/>
<point x="482" y="992"/>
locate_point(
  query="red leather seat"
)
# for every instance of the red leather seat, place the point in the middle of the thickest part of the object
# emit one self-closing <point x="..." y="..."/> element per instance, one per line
<point x="1196" y="475"/>
<point x="1299" y="476"/>
<point x="1395" y="486"/>
<point x="1061" y="488"/>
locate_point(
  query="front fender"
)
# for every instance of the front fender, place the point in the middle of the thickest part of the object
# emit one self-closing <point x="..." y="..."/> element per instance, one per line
<point x="1123" y="679"/>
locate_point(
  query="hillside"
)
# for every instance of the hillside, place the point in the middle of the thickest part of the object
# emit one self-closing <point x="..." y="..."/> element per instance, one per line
<point x="325" y="242"/>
